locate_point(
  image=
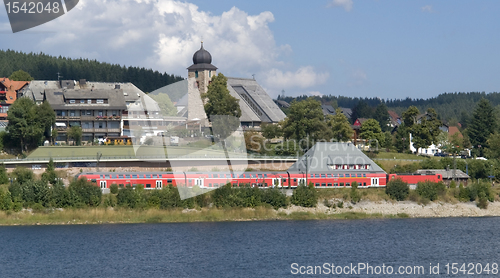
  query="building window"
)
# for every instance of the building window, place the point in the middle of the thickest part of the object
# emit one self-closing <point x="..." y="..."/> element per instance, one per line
<point x="72" y="113"/>
<point x="100" y="101"/>
<point x="196" y="74"/>
<point x="89" y="101"/>
<point x="210" y="73"/>
<point x="71" y="101"/>
<point x="82" y="101"/>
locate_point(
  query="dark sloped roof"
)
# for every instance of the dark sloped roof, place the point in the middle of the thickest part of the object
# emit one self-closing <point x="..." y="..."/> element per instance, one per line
<point x="255" y="104"/>
<point x="56" y="98"/>
<point x="328" y="109"/>
<point x="323" y="154"/>
<point x="447" y="174"/>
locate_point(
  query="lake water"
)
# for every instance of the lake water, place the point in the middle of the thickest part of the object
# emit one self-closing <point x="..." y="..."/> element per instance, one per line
<point x="252" y="249"/>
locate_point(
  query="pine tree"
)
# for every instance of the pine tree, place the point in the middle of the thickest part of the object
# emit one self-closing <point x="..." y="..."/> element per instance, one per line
<point x="481" y="126"/>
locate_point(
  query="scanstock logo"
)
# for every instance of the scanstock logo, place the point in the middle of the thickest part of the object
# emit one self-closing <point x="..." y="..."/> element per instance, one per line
<point x="26" y="14"/>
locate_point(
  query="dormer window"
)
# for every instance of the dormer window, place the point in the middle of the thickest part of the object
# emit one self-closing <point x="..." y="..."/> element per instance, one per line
<point x="100" y="101"/>
<point x="72" y="101"/>
<point x="82" y="101"/>
<point x="89" y="101"/>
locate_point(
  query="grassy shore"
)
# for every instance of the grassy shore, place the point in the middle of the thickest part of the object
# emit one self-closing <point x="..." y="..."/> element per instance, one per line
<point x="103" y="216"/>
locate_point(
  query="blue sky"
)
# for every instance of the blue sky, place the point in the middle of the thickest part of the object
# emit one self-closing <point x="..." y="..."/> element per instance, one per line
<point x="369" y="48"/>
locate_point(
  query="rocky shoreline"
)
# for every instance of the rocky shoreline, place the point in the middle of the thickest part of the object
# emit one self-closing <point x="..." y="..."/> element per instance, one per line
<point x="412" y="209"/>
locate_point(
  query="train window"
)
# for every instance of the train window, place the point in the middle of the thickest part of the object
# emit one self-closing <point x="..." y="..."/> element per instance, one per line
<point x="323" y="175"/>
<point x="134" y="185"/>
<point x="312" y="175"/>
<point x="209" y="185"/>
<point x="260" y="176"/>
<point x="341" y="175"/>
<point x="323" y="184"/>
<point x="120" y="185"/>
<point x="216" y="185"/>
<point x="329" y="175"/>
<point x="317" y="184"/>
<point x="265" y="175"/>
<point x="364" y="184"/>
<point x="295" y="179"/>
<point x="148" y="185"/>
<point x="169" y="180"/>
<point x="335" y="184"/>
<point x="439" y="177"/>
<point x="102" y="176"/>
<point x="148" y="176"/>
<point x="347" y="175"/>
<point x="284" y="180"/>
<point x="335" y="175"/>
<point x="358" y="175"/>
<point x="120" y="176"/>
<point x="113" y="176"/>
<point x="330" y="184"/>
<point x="190" y="181"/>
<point x="93" y="180"/>
<point x="216" y="175"/>
<point x="347" y="184"/>
<point x="127" y="176"/>
<point x="317" y="175"/>
<point x="233" y="176"/>
<point x="134" y="176"/>
<point x="364" y="175"/>
<point x="341" y="184"/>
<point x="160" y="176"/>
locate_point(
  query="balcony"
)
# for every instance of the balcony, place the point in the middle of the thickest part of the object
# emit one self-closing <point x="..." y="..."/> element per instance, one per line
<point x="100" y="130"/>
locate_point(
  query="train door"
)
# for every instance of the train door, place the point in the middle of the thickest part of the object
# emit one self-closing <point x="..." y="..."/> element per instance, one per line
<point x="159" y="184"/>
<point x="198" y="182"/>
<point x="103" y="184"/>
<point x="276" y="182"/>
<point x="301" y="181"/>
<point x="374" y="182"/>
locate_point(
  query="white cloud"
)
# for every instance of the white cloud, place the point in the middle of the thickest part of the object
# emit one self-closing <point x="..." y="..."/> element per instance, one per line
<point x="304" y="77"/>
<point x="346" y="4"/>
<point x="427" y="9"/>
<point x="164" y="35"/>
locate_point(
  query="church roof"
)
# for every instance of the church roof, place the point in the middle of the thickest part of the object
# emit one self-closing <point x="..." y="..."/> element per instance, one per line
<point x="324" y="154"/>
<point x="255" y="104"/>
<point x="202" y="60"/>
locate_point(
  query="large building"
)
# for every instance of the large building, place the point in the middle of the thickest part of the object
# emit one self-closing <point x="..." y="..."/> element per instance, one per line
<point x="343" y="162"/>
<point x="102" y="109"/>
<point x="256" y="105"/>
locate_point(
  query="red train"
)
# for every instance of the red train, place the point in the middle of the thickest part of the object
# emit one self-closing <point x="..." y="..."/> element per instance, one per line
<point x="152" y="180"/>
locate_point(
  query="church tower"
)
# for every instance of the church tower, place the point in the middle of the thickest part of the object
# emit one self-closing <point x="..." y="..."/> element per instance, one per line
<point x="202" y="69"/>
<point x="199" y="76"/>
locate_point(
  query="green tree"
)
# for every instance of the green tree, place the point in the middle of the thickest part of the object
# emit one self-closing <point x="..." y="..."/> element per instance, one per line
<point x="25" y="127"/>
<point x="305" y="122"/>
<point x="370" y="130"/>
<point x="361" y="110"/>
<point x="218" y="99"/>
<point x="4" y="178"/>
<point x="382" y="116"/>
<point x="82" y="192"/>
<point x="166" y="106"/>
<point x="75" y="133"/>
<point x="339" y="124"/>
<point x="270" y="131"/>
<point x="397" y="189"/>
<point x="47" y="116"/>
<point x="50" y="174"/>
<point x="20" y="75"/>
<point x="305" y="196"/>
<point x="482" y="124"/>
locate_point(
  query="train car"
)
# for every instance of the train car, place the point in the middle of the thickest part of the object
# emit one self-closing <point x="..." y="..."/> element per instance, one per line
<point x="156" y="180"/>
<point x="413" y="179"/>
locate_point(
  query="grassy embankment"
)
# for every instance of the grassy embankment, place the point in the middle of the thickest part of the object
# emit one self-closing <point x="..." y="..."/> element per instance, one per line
<point x="102" y="216"/>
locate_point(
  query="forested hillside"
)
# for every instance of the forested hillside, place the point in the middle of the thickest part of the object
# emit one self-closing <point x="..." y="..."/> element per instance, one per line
<point x="44" y="67"/>
<point x="449" y="106"/>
